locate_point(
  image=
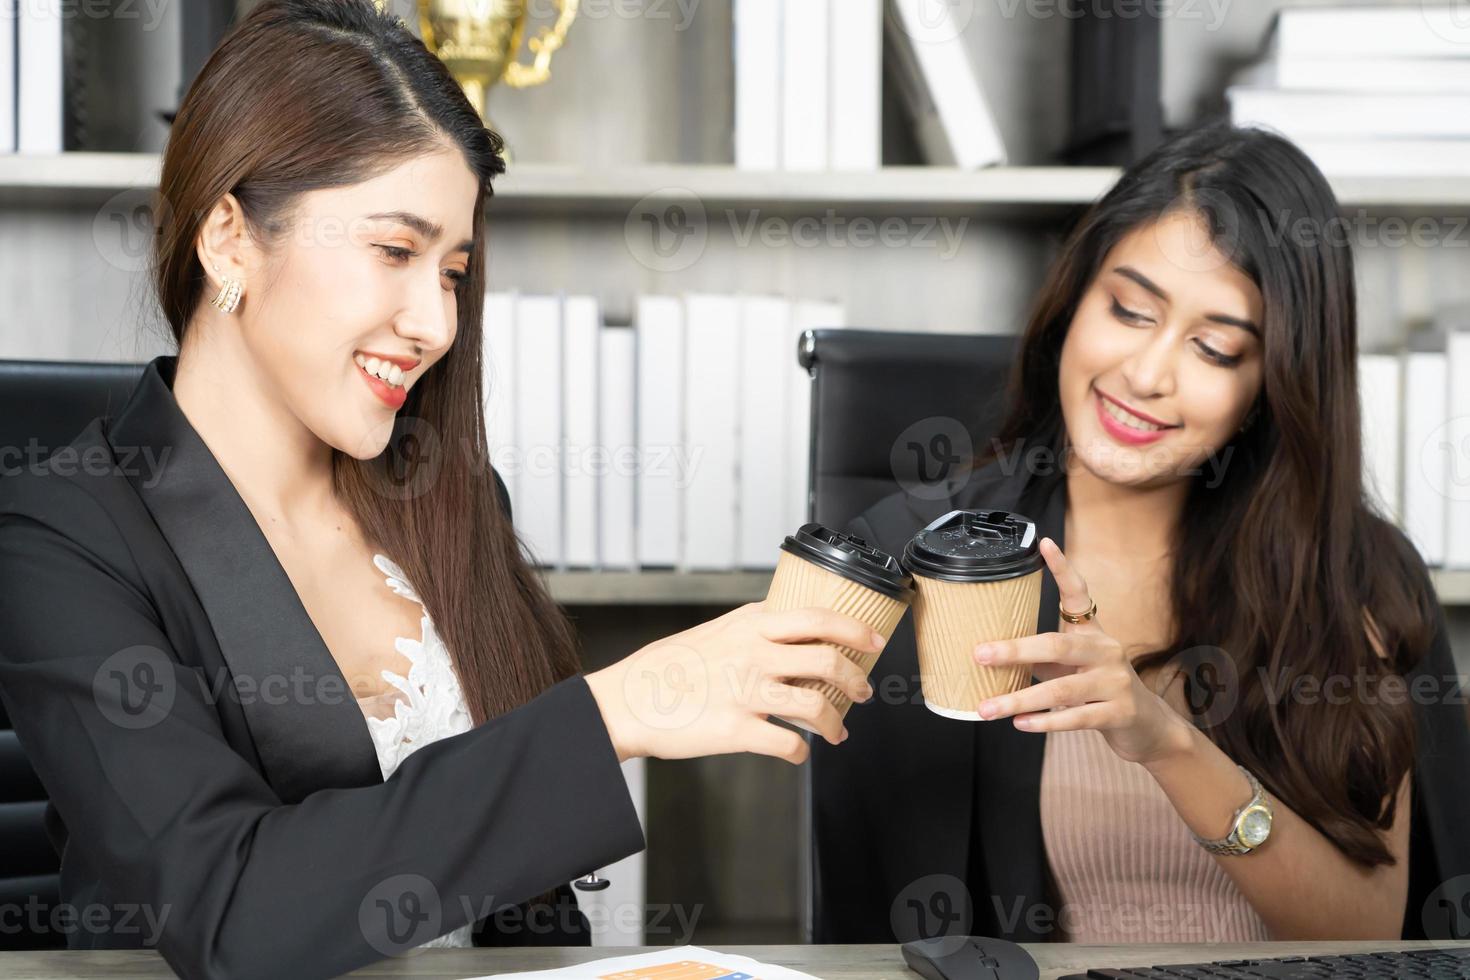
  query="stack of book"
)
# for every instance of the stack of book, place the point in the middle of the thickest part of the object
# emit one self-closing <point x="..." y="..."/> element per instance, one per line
<point x="809" y="83"/>
<point x="1366" y="91"/>
<point x="33" y="107"/>
<point x="100" y="75"/>
<point x="1416" y="437"/>
<point x="681" y="441"/>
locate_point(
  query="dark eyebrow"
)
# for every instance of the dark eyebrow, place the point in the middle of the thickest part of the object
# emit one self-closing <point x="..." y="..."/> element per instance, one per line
<point x="1128" y="272"/>
<point x="423" y="226"/>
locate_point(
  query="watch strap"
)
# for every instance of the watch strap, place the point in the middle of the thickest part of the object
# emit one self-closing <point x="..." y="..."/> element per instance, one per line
<point x="1231" y="843"/>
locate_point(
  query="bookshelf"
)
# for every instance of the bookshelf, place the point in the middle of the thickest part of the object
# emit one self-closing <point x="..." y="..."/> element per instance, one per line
<point x="573" y="196"/>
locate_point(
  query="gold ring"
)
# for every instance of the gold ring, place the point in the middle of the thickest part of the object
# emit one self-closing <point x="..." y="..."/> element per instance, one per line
<point x="1079" y="617"/>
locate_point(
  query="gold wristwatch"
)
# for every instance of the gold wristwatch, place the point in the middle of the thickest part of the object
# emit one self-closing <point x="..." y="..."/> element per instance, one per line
<point x="1251" y="827"/>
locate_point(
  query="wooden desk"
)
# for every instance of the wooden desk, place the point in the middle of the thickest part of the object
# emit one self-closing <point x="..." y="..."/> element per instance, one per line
<point x="828" y="962"/>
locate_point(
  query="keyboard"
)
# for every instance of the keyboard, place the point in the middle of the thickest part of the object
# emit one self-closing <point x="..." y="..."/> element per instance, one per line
<point x="1407" y="964"/>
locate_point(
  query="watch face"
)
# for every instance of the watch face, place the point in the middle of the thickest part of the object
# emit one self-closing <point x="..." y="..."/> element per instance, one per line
<point x="1255" y="828"/>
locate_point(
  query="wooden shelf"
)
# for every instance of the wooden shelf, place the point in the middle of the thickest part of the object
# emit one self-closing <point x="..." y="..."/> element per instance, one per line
<point x="736" y="588"/>
<point x="555" y="189"/>
<point x="932" y="190"/>
<point x="1453" y="586"/>
<point x="78" y="171"/>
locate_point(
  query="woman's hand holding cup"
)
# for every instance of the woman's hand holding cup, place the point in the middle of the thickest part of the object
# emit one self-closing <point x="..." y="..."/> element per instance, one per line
<point x="1087" y="680"/>
<point x="709" y="689"/>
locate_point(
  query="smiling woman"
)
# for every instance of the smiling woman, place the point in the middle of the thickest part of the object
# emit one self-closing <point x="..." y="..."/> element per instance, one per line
<point x="1176" y="335"/>
<point x="350" y="227"/>
<point x="383" y="285"/>
<point x="1163" y="350"/>
<point x="1182" y="421"/>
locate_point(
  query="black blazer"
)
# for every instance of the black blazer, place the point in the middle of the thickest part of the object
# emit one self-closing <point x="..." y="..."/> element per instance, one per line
<point x="206" y="760"/>
<point x="921" y="823"/>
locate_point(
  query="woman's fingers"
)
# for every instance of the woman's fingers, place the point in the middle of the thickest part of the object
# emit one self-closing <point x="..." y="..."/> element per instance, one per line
<point x="815" y="624"/>
<point x="1070" y="587"/>
<point x="773" y="740"/>
<point x="1095" y="715"/>
<point x="1055" y="648"/>
<point x="1072" y="689"/>
<point x="802" y="704"/>
<point x="818" y="662"/>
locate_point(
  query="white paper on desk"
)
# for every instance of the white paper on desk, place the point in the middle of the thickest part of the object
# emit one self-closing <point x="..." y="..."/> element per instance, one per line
<point x="675" y="963"/>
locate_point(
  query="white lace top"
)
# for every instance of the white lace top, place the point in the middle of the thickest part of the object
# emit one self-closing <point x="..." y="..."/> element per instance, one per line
<point x="424" y="706"/>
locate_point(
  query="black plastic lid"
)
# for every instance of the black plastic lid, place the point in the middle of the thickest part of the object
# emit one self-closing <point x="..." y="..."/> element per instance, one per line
<point x="975" y="546"/>
<point x="852" y="558"/>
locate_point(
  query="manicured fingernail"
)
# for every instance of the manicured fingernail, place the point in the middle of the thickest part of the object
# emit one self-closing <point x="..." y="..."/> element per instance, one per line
<point x="987" y="709"/>
<point x="867" y="694"/>
<point x="984" y="652"/>
<point x="878" y="639"/>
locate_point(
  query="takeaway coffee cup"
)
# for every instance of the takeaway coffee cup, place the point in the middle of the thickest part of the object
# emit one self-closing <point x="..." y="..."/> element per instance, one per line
<point x="977" y="575"/>
<point x="822" y="567"/>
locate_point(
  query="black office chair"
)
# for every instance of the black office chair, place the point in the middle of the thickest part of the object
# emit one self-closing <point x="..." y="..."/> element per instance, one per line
<point x="870" y="388"/>
<point x="43" y="405"/>
<point x="891" y="410"/>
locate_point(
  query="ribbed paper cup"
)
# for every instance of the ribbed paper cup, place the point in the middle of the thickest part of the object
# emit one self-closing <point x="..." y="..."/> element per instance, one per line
<point x="977" y="576"/>
<point x="951" y="619"/>
<point x="805" y="576"/>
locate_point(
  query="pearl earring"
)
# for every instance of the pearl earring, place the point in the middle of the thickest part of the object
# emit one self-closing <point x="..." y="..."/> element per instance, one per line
<point x="228" y="298"/>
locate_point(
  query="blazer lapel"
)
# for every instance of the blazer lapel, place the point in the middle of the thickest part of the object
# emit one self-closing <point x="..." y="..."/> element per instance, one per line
<point x="301" y="713"/>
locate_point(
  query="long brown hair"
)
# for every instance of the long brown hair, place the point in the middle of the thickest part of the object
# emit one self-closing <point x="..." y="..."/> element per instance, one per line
<point x="1277" y="559"/>
<point x="309" y="94"/>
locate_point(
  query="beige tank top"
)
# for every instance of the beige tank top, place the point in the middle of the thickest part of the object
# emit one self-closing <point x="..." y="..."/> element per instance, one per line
<point x="1126" y="868"/>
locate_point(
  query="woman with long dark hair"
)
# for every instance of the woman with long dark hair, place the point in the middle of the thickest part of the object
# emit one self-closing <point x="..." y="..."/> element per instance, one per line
<point x="1219" y="742"/>
<point x="296" y="696"/>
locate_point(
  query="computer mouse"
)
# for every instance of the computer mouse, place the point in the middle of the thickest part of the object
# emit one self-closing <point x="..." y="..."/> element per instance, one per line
<point x="969" y="958"/>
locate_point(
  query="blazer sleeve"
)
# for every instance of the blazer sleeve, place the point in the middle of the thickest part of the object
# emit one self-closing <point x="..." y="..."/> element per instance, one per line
<point x="172" y="816"/>
<point x="1439" y="848"/>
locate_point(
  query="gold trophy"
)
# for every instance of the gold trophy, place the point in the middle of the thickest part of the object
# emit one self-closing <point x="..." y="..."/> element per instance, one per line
<point x="479" y="41"/>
